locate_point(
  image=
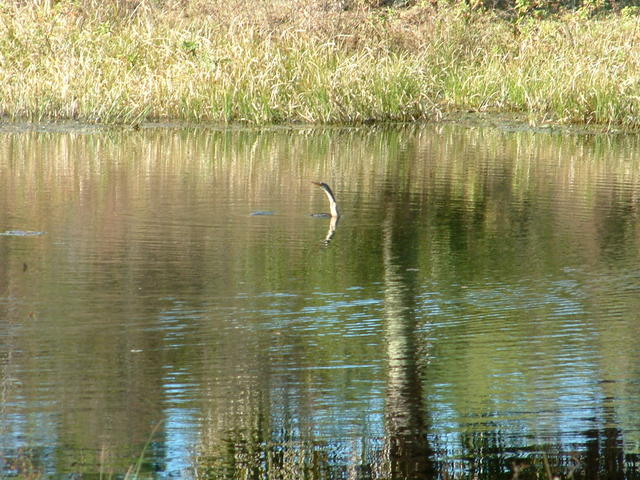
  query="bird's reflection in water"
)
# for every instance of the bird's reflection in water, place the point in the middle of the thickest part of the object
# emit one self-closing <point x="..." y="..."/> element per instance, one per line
<point x="333" y="224"/>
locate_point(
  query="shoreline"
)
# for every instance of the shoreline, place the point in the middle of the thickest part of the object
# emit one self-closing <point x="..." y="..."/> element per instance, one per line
<point x="497" y="120"/>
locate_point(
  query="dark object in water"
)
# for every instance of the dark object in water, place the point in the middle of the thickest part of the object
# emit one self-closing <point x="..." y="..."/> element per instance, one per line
<point x="261" y="213"/>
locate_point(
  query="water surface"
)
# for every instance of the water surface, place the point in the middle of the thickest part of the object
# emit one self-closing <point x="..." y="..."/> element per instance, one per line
<point x="474" y="313"/>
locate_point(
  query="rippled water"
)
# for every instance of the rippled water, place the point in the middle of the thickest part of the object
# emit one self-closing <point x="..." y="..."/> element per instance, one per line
<point x="474" y="313"/>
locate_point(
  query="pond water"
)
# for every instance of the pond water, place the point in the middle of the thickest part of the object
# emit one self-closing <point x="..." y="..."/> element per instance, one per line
<point x="475" y="312"/>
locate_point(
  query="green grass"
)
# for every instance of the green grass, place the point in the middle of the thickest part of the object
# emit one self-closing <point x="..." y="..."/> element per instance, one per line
<point x="308" y="61"/>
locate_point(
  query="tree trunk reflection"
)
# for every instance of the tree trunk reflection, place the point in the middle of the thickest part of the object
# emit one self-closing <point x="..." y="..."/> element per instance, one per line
<point x="406" y="446"/>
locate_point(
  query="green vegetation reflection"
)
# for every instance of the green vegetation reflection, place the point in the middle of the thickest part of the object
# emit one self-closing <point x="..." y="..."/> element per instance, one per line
<point x="529" y="234"/>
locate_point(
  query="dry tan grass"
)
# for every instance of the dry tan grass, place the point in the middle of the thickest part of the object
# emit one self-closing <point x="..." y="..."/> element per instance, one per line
<point x="316" y="61"/>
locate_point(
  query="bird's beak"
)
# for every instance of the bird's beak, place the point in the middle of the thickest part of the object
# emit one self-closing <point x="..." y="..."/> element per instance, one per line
<point x="317" y="183"/>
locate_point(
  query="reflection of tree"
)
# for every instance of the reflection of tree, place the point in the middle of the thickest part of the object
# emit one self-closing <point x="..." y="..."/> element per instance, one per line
<point x="604" y="455"/>
<point x="407" y="448"/>
<point x="484" y="202"/>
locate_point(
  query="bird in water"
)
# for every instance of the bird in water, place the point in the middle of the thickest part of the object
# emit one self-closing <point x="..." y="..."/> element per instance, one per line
<point x="333" y="205"/>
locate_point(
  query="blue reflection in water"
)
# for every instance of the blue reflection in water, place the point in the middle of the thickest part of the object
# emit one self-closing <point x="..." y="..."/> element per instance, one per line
<point x="540" y="365"/>
<point x="480" y="292"/>
<point x="180" y="435"/>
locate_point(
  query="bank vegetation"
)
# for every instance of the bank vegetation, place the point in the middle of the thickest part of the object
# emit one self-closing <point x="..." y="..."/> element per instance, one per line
<point x="316" y="61"/>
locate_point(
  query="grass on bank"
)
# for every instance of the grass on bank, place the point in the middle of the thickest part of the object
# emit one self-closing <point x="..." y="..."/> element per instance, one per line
<point x="310" y="61"/>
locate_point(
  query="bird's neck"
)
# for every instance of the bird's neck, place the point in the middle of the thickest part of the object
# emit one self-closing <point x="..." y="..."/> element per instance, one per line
<point x="334" y="210"/>
<point x="332" y="204"/>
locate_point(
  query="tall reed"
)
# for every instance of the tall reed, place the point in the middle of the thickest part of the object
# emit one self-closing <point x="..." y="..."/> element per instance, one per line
<point x="309" y="61"/>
